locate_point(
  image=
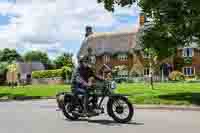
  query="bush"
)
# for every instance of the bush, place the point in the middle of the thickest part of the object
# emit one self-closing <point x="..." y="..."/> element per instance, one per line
<point x="198" y="76"/>
<point x="65" y="71"/>
<point x="47" y="73"/>
<point x="176" y="76"/>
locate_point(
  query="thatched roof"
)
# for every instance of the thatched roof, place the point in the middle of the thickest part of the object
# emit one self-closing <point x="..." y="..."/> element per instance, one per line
<point x="109" y="42"/>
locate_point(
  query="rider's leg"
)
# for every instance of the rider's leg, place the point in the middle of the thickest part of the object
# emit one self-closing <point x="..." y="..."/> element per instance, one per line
<point x="84" y="100"/>
<point x="95" y="101"/>
<point x="85" y="103"/>
<point x="76" y="93"/>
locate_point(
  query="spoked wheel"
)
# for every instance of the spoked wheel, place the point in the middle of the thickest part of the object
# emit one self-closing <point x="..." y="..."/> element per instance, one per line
<point x="120" y="109"/>
<point x="67" y="111"/>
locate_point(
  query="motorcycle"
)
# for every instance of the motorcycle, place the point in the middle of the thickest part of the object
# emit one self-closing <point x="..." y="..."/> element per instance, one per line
<point x="118" y="106"/>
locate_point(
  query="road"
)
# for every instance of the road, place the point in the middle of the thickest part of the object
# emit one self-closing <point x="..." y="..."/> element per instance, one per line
<point x="42" y="117"/>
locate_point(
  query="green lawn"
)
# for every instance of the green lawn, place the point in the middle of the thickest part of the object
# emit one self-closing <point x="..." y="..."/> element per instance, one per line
<point x="36" y="91"/>
<point x="164" y="93"/>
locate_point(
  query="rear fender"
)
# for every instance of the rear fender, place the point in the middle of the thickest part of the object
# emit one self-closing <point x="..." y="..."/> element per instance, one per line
<point x="62" y="98"/>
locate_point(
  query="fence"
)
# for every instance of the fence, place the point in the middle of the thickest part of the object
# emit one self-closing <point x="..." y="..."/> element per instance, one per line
<point x="141" y="79"/>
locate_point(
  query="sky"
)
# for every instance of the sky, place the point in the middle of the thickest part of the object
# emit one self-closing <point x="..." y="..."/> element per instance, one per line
<point x="57" y="26"/>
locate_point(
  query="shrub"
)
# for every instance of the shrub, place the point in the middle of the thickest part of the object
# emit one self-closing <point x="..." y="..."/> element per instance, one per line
<point x="66" y="71"/>
<point x="176" y="76"/>
<point x="47" y="73"/>
<point x="198" y="76"/>
<point x="52" y="73"/>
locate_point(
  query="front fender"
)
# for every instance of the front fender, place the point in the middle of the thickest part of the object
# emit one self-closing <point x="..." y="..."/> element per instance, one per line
<point x="117" y="96"/>
<point x="68" y="97"/>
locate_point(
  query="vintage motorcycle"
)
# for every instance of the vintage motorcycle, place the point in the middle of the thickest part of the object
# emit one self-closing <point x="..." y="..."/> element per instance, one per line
<point x="117" y="105"/>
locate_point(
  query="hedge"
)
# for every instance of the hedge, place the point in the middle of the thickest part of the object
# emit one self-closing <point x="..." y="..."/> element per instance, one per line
<point x="47" y="73"/>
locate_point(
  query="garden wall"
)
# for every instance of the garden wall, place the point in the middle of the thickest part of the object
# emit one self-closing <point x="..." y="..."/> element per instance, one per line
<point x="50" y="81"/>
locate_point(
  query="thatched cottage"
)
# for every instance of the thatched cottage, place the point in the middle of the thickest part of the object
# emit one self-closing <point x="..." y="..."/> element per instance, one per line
<point x="121" y="49"/>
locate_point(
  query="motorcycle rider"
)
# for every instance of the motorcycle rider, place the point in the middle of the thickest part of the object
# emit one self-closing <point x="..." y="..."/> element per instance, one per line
<point x="80" y="80"/>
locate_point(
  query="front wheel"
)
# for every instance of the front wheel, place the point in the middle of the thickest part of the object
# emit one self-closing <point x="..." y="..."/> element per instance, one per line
<point x="120" y="109"/>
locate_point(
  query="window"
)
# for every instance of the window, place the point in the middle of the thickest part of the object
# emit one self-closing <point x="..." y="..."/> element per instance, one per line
<point x="146" y="71"/>
<point x="106" y="58"/>
<point x="188" y="71"/>
<point x="187" y="52"/>
<point x="123" y="57"/>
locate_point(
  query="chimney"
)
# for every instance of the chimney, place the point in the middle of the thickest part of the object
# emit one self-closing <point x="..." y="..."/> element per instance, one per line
<point x="88" y="31"/>
<point x="142" y="19"/>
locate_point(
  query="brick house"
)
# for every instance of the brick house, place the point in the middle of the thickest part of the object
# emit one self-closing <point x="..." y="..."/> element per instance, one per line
<point x="24" y="71"/>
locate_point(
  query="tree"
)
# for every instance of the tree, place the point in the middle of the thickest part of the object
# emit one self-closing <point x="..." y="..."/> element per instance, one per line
<point x="151" y="37"/>
<point x="3" y="67"/>
<point x="110" y="4"/>
<point x="153" y="63"/>
<point x="37" y="56"/>
<point x="66" y="72"/>
<point x="177" y="20"/>
<point x="65" y="59"/>
<point x="9" y="55"/>
<point x="3" y="70"/>
<point x="157" y="45"/>
<point x="65" y="62"/>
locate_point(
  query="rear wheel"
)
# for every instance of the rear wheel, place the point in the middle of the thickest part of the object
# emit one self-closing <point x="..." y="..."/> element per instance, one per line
<point x="60" y="100"/>
<point x="120" y="109"/>
<point x="67" y="111"/>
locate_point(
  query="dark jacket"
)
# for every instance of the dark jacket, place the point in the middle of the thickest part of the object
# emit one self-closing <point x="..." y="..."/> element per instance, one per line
<point x="81" y="76"/>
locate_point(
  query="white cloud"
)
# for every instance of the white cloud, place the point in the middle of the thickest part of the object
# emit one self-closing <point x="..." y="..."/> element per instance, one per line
<point x="47" y="24"/>
<point x="5" y="7"/>
<point x="133" y="10"/>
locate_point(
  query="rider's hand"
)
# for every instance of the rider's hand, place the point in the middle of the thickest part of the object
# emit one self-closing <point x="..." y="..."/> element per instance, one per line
<point x="89" y="84"/>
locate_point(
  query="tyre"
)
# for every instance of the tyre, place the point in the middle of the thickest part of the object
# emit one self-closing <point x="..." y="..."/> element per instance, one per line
<point x="67" y="111"/>
<point x="120" y="109"/>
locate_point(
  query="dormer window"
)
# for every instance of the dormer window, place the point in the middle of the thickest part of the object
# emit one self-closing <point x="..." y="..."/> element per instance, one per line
<point x="188" y="52"/>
